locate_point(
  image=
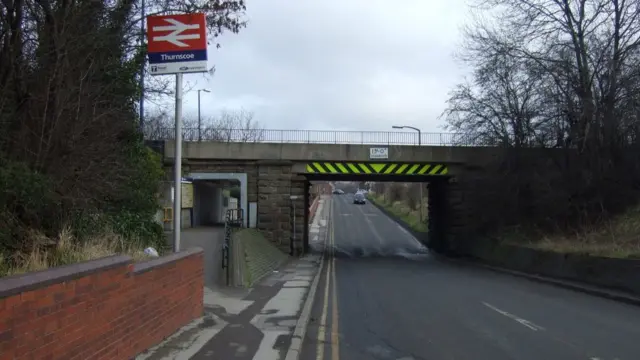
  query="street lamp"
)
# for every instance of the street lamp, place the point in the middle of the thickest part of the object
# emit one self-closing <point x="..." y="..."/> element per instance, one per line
<point x="412" y="128"/>
<point x="419" y="144"/>
<point x="199" y="119"/>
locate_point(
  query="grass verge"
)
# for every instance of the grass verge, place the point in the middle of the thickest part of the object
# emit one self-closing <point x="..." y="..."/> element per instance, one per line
<point x="403" y="212"/>
<point x="618" y="237"/>
<point x="260" y="256"/>
<point x="66" y="250"/>
<point x="615" y="238"/>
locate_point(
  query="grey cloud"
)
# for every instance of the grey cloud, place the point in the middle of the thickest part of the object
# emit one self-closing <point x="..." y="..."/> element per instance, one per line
<point x="357" y="65"/>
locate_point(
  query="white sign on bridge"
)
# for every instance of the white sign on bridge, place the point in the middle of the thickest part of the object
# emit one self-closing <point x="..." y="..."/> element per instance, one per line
<point x="379" y="153"/>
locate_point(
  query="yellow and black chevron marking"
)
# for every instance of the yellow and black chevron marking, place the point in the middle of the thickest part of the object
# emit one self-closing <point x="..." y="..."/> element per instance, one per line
<point x="365" y="168"/>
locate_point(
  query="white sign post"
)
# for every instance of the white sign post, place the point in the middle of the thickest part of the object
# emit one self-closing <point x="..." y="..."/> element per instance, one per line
<point x="379" y="153"/>
<point x="177" y="44"/>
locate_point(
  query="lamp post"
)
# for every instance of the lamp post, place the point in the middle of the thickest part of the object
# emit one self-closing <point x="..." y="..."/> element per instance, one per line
<point x="419" y="144"/>
<point x="199" y="118"/>
<point x="412" y="128"/>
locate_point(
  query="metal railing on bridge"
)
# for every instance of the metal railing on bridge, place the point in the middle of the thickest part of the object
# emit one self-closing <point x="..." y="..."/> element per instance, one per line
<point x="318" y="137"/>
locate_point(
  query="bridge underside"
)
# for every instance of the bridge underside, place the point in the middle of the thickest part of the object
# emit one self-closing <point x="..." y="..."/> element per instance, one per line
<point x="373" y="177"/>
<point x="375" y="171"/>
<point x="279" y="193"/>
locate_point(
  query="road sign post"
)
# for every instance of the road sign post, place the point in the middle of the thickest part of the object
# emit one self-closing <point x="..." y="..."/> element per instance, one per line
<point x="177" y="44"/>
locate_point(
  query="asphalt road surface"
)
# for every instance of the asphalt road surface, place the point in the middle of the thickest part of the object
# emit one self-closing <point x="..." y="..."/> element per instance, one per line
<point x="388" y="299"/>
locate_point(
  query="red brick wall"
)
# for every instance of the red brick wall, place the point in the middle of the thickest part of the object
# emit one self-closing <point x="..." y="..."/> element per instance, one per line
<point x="108" y="308"/>
<point x="317" y="190"/>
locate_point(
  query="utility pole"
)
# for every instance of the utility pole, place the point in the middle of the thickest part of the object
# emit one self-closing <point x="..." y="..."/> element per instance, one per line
<point x="199" y="118"/>
<point x="419" y="144"/>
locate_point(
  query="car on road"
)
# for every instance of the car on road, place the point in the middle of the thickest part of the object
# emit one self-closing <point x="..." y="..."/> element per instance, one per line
<point x="338" y="192"/>
<point x="359" y="198"/>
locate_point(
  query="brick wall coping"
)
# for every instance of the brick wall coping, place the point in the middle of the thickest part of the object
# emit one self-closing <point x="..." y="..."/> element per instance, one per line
<point x="145" y="266"/>
<point x="16" y="284"/>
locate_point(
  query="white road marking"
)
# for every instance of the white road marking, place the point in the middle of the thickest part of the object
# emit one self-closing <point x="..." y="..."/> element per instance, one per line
<point x="413" y="238"/>
<point x="403" y="230"/>
<point x="524" y="322"/>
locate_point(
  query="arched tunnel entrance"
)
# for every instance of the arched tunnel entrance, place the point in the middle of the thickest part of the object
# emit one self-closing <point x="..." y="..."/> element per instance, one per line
<point x="374" y="229"/>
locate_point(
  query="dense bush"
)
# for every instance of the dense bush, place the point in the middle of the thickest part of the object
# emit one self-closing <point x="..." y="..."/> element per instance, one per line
<point x="72" y="158"/>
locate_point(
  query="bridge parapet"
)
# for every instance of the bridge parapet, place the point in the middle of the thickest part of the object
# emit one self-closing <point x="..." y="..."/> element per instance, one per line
<point x="329" y="152"/>
<point x="321" y="137"/>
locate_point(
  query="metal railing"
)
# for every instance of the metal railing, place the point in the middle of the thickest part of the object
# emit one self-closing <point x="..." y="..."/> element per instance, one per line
<point x="233" y="220"/>
<point x="319" y="137"/>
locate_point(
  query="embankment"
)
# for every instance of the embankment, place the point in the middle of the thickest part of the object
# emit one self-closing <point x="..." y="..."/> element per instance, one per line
<point x="610" y="273"/>
<point x="622" y="274"/>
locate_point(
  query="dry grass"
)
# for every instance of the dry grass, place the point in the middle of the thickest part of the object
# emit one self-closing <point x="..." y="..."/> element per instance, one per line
<point x="65" y="250"/>
<point x="617" y="238"/>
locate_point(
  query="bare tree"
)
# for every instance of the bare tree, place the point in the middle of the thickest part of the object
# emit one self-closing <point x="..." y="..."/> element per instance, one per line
<point x="584" y="52"/>
<point x="554" y="73"/>
<point x="228" y="126"/>
<point x="237" y="126"/>
<point x="504" y="109"/>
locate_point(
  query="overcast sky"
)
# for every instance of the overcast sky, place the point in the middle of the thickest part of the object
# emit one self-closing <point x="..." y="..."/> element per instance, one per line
<point x="343" y="65"/>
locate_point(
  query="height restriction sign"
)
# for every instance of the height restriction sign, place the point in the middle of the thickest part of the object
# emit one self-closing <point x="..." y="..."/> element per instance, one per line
<point x="177" y="43"/>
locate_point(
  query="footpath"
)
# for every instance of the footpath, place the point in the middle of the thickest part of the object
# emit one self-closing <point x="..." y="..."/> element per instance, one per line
<point x="251" y="324"/>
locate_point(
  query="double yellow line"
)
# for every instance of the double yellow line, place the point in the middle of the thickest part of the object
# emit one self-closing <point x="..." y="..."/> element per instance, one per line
<point x="329" y="288"/>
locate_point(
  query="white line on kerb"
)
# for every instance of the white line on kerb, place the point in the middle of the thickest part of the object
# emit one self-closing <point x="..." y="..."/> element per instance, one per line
<point x="410" y="236"/>
<point x="524" y="322"/>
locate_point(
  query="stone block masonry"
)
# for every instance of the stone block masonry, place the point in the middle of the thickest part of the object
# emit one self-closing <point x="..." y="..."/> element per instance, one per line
<point x="274" y="204"/>
<point x="271" y="185"/>
<point x="108" y="308"/>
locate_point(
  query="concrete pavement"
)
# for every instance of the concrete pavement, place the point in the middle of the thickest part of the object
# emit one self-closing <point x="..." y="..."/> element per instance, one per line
<point x="210" y="240"/>
<point x="248" y="324"/>
<point x="382" y="296"/>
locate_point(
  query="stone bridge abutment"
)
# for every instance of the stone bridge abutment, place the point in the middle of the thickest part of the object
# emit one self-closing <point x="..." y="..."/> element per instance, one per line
<point x="278" y="178"/>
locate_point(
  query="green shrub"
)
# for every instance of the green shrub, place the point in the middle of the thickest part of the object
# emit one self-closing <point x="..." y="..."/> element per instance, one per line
<point x="26" y="200"/>
<point x="131" y="215"/>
